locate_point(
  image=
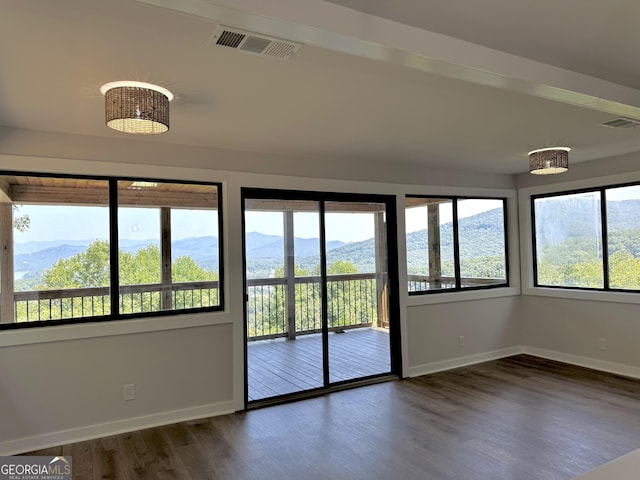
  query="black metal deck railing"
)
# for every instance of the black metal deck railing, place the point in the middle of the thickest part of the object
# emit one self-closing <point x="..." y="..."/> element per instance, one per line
<point x="421" y="283"/>
<point x="352" y="302"/>
<point x="61" y="304"/>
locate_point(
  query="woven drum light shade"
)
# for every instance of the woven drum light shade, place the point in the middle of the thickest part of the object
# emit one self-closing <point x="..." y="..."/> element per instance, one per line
<point x="549" y="161"/>
<point x="135" y="107"/>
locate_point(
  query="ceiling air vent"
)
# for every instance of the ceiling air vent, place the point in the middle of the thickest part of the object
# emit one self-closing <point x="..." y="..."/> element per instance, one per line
<point x="621" y="123"/>
<point x="254" y="43"/>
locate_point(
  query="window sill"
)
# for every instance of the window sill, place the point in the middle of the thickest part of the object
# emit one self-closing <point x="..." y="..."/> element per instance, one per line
<point x="49" y="333"/>
<point x="594" y="295"/>
<point x="461" y="296"/>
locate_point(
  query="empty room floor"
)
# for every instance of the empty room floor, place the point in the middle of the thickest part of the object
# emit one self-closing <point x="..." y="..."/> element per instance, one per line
<point x="520" y="418"/>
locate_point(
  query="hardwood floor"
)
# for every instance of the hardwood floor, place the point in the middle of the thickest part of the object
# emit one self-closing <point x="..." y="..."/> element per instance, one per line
<point x="281" y="366"/>
<point x="520" y="418"/>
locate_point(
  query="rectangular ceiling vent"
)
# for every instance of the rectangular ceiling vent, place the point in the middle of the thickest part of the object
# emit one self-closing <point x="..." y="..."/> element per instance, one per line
<point x="254" y="43"/>
<point x="621" y="123"/>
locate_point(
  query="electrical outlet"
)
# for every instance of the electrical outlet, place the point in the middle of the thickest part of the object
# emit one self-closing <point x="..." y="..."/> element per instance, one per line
<point x="461" y="341"/>
<point x="602" y="343"/>
<point x="129" y="392"/>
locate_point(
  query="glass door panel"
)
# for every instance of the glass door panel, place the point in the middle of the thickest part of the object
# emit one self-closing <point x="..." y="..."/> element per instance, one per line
<point x="284" y="297"/>
<point x="357" y="290"/>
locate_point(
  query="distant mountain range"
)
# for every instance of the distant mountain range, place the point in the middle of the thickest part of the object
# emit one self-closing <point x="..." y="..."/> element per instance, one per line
<point x="33" y="258"/>
<point x="266" y="252"/>
<point x="481" y="236"/>
<point x="559" y="219"/>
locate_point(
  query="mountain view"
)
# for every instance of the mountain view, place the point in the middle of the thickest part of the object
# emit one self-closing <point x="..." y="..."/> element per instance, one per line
<point x="566" y="242"/>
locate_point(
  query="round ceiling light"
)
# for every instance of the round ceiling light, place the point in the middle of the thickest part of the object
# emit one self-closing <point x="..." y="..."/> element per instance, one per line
<point x="549" y="161"/>
<point x="136" y="107"/>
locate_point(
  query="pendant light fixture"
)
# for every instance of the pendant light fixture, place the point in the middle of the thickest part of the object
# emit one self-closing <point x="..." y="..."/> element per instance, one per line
<point x="136" y="107"/>
<point x="549" y="161"/>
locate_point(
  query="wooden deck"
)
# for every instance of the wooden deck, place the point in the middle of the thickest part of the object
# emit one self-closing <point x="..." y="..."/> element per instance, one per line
<point x="281" y="366"/>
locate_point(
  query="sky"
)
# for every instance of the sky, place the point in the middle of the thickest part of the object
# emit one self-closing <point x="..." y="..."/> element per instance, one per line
<point x="91" y="223"/>
<point x="346" y="227"/>
<point x="416" y="218"/>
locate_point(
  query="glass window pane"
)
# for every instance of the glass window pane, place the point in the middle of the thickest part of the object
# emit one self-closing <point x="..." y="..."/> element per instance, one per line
<point x="481" y="235"/>
<point x="282" y="242"/>
<point x="60" y="247"/>
<point x="350" y="236"/>
<point x="623" y="220"/>
<point x="429" y="237"/>
<point x="194" y="245"/>
<point x="139" y="245"/>
<point x="168" y="246"/>
<point x="568" y="240"/>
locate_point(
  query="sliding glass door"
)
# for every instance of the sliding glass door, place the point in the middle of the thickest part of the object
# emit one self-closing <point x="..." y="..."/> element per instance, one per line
<point x="318" y="311"/>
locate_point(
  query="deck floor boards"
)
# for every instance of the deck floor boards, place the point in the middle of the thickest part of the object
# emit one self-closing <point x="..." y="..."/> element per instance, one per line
<point x="281" y="366"/>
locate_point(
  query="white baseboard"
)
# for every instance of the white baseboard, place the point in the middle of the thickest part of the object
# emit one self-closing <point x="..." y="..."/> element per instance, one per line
<point x="593" y="363"/>
<point x="463" y="361"/>
<point x="52" y="439"/>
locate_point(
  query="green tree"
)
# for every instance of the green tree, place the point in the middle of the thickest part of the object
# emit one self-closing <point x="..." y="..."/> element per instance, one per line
<point x="91" y="269"/>
<point x="185" y="269"/>
<point x="624" y="271"/>
<point x="20" y="222"/>
<point x="339" y="267"/>
<point x="84" y="270"/>
<point x="141" y="267"/>
<point x="350" y="302"/>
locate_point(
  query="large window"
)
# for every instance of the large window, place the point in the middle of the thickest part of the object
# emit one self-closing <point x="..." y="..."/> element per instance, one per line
<point x="588" y="239"/>
<point x="455" y="243"/>
<point x="98" y="249"/>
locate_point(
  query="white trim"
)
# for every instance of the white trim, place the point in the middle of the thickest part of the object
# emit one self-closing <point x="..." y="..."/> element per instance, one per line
<point x="587" y="362"/>
<point x="585" y="295"/>
<point x="526" y="235"/>
<point x="585" y="183"/>
<point x="50" y="333"/>
<point x="464" y="361"/>
<point x="52" y="439"/>
<point x="580" y="361"/>
<point x="461" y="296"/>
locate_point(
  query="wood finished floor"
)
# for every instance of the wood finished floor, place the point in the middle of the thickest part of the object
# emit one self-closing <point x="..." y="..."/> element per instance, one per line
<point x="519" y="418"/>
<point x="280" y="366"/>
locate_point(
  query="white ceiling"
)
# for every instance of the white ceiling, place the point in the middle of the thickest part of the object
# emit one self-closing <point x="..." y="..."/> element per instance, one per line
<point x="446" y="84"/>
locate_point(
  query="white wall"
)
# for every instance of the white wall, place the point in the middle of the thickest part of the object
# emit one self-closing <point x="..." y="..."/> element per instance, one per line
<point x="569" y="329"/>
<point x="61" y="384"/>
<point x="57" y="390"/>
<point x="490" y="327"/>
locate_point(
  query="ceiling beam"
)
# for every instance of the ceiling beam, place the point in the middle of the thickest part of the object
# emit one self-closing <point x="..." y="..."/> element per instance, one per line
<point x="330" y="26"/>
<point x="5" y="191"/>
<point x="59" y="195"/>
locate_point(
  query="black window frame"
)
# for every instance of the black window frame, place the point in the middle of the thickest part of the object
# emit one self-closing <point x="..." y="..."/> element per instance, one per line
<point x="112" y="182"/>
<point x="604" y="238"/>
<point x="456" y="244"/>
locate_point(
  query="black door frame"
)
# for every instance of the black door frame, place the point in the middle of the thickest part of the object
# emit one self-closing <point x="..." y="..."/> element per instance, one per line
<point x="393" y="284"/>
